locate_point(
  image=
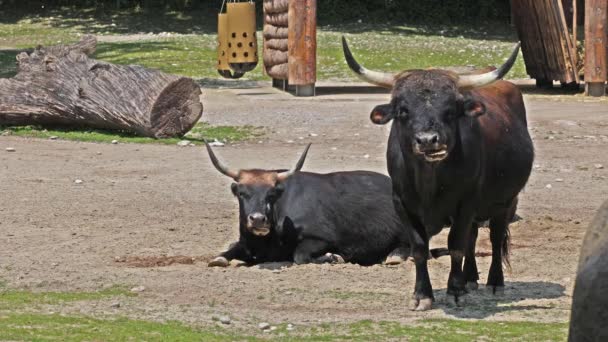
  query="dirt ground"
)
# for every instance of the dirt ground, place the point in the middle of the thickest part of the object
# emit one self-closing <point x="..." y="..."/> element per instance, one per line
<point x="140" y="201"/>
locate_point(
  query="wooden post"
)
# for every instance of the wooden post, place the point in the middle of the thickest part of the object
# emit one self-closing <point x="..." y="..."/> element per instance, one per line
<point x="303" y="46"/>
<point x="596" y="47"/>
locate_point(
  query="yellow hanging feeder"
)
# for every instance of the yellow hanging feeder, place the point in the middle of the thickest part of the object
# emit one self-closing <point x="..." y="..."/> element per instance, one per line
<point x="237" y="41"/>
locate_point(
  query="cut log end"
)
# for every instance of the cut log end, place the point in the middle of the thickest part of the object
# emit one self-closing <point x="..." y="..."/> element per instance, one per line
<point x="177" y="109"/>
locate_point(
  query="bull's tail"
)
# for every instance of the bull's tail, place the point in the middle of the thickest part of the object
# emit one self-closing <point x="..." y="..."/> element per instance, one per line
<point x="506" y="249"/>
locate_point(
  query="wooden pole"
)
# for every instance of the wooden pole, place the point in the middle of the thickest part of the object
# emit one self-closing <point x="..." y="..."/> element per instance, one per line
<point x="596" y="47"/>
<point x="303" y="46"/>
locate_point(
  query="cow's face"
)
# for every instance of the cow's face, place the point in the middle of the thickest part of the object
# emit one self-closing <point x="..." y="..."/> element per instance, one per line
<point x="257" y="191"/>
<point x="426" y="107"/>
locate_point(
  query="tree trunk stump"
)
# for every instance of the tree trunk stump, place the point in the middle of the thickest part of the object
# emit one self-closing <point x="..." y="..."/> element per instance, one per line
<point x="62" y="86"/>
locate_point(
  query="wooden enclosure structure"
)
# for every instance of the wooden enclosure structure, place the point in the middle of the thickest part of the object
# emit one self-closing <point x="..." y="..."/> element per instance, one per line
<point x="290" y="44"/>
<point x="596" y="47"/>
<point x="548" y="31"/>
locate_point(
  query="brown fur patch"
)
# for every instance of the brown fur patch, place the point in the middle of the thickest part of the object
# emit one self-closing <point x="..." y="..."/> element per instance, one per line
<point x="258" y="177"/>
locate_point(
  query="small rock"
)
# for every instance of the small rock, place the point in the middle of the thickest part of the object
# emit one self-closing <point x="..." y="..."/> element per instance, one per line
<point x="366" y="156"/>
<point x="559" y="180"/>
<point x="582" y="167"/>
<point x="114" y="142"/>
<point x="225" y="320"/>
<point x="78" y="181"/>
<point x="215" y="318"/>
<point x="273" y="328"/>
<point x="313" y="135"/>
<point x="183" y="143"/>
<point x="53" y="137"/>
<point x="598" y="166"/>
<point x="548" y="186"/>
<point x="300" y="138"/>
<point x="55" y="264"/>
<point x="290" y="141"/>
<point x="334" y="148"/>
<point x="290" y="327"/>
<point x="98" y="153"/>
<point x="115" y="305"/>
<point x="10" y="149"/>
<point x="138" y="289"/>
<point x="264" y="326"/>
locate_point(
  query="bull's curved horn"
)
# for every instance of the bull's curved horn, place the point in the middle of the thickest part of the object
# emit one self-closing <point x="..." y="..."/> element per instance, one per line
<point x="467" y="82"/>
<point x="220" y="166"/>
<point x="382" y="79"/>
<point x="284" y="175"/>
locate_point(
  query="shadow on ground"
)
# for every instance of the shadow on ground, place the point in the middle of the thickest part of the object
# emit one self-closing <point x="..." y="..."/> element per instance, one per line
<point x="482" y="303"/>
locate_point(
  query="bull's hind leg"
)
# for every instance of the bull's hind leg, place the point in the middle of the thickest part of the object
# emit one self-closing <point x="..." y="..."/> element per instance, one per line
<point x="310" y="250"/>
<point x="499" y="236"/>
<point x="471" y="275"/>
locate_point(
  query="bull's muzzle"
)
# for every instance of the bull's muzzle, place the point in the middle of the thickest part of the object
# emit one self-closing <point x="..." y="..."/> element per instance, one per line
<point x="428" y="145"/>
<point x="258" y="224"/>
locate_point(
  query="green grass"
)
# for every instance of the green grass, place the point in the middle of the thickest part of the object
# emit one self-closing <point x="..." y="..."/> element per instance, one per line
<point x="382" y="47"/>
<point x="54" y="327"/>
<point x="11" y="299"/>
<point x="19" y="320"/>
<point x="199" y="133"/>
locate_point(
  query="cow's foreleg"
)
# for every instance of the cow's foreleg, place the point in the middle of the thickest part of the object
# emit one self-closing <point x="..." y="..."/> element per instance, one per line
<point x="236" y="251"/>
<point x="422" y="299"/>
<point x="458" y="239"/>
<point x="471" y="274"/>
<point x="308" y="250"/>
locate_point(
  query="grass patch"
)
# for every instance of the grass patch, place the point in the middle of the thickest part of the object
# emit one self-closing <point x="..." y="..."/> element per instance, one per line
<point x="15" y="325"/>
<point x="200" y="133"/>
<point x="11" y="299"/>
<point x="72" y="328"/>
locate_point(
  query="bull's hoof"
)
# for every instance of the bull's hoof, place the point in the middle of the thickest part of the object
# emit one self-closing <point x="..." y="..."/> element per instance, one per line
<point x="219" y="262"/>
<point x="472" y="286"/>
<point x="422" y="304"/>
<point x="336" y="259"/>
<point x="457" y="300"/>
<point x="394" y="260"/>
<point x="496" y="290"/>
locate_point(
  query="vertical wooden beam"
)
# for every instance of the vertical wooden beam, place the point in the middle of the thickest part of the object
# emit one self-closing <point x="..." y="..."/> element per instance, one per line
<point x="596" y="47"/>
<point x="575" y="34"/>
<point x="303" y="46"/>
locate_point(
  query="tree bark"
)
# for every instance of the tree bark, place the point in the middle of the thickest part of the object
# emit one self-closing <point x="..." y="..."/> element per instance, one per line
<point x="62" y="86"/>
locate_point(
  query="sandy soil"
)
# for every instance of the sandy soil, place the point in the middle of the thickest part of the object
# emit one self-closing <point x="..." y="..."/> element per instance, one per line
<point x="140" y="201"/>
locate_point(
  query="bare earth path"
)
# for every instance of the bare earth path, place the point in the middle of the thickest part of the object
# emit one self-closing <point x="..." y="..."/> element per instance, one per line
<point x="152" y="200"/>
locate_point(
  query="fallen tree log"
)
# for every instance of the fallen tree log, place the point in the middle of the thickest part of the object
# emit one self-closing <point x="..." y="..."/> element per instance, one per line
<point x="62" y="86"/>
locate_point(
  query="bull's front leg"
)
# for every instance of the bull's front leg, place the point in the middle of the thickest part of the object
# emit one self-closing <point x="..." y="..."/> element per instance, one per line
<point x="422" y="299"/>
<point x="458" y="240"/>
<point x="236" y="251"/>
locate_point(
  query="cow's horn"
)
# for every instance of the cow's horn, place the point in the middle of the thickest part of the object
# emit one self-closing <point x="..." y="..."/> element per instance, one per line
<point x="382" y="79"/>
<point x="219" y="165"/>
<point x="284" y="175"/>
<point x="467" y="82"/>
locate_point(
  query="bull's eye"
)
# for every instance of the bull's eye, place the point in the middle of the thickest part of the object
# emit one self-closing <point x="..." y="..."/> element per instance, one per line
<point x="243" y="194"/>
<point x="268" y="207"/>
<point x="402" y="113"/>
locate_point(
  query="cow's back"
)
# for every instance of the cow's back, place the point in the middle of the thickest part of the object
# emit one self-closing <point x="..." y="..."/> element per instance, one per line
<point x="590" y="299"/>
<point x="352" y="210"/>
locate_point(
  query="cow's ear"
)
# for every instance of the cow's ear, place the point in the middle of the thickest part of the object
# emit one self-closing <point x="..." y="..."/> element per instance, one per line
<point x="382" y="114"/>
<point x="474" y="108"/>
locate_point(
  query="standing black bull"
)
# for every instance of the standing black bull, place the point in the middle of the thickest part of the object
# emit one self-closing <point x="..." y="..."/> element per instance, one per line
<point x="301" y="216"/>
<point x="459" y="152"/>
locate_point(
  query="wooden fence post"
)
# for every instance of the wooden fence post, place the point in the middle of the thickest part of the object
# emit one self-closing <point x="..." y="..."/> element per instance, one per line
<point x="596" y="47"/>
<point x="303" y="46"/>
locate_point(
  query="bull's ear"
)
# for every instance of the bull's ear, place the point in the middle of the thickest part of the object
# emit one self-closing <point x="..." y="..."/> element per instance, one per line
<point x="235" y="189"/>
<point x="382" y="114"/>
<point x="474" y="108"/>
